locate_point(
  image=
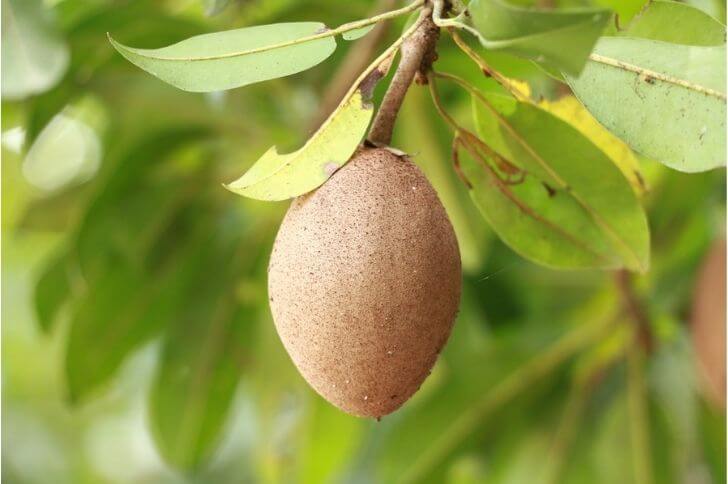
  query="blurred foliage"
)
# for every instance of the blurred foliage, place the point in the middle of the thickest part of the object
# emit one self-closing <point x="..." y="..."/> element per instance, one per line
<point x="137" y="342"/>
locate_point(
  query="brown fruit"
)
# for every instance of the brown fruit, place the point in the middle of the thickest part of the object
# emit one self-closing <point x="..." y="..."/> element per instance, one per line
<point x="708" y="323"/>
<point x="364" y="283"/>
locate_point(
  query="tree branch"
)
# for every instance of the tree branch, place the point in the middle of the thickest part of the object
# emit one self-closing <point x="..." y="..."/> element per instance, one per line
<point x="416" y="55"/>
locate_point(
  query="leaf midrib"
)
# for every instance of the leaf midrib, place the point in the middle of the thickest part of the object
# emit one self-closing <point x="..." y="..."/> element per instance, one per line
<point x="281" y="45"/>
<point x="648" y="73"/>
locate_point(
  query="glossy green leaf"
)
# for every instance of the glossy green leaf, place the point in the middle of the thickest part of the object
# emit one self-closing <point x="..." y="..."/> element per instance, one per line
<point x="677" y="23"/>
<point x="234" y="58"/>
<point x="667" y="101"/>
<point x="51" y="291"/>
<point x="563" y="38"/>
<point x="358" y="33"/>
<point x="34" y="57"/>
<point x="570" y="207"/>
<point x="280" y="176"/>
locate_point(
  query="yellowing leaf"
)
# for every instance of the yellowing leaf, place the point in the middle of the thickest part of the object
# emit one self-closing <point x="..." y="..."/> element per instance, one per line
<point x="573" y="112"/>
<point x="280" y="176"/>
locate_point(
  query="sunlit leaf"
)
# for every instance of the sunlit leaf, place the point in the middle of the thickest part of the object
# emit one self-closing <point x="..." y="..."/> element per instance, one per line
<point x="667" y="101"/>
<point x="569" y="206"/>
<point x="34" y="57"/>
<point x="278" y="177"/>
<point x="675" y="22"/>
<point x="357" y="33"/>
<point x="234" y="58"/>
<point x="563" y="38"/>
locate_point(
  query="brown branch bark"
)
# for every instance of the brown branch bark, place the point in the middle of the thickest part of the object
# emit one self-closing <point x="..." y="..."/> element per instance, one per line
<point x="416" y="55"/>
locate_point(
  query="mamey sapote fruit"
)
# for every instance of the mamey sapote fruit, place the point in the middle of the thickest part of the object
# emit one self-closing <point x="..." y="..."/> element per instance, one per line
<point x="364" y="283"/>
<point x="708" y="323"/>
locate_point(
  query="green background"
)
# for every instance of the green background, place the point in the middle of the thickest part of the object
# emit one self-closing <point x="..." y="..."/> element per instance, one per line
<point x="137" y="345"/>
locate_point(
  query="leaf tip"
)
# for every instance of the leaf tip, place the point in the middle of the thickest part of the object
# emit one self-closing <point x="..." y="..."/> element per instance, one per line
<point x="116" y="45"/>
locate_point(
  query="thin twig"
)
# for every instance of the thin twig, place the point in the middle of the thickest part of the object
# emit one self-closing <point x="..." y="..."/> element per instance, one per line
<point x="356" y="59"/>
<point x="413" y="52"/>
<point x="485" y="68"/>
<point x="358" y="24"/>
<point x="376" y="70"/>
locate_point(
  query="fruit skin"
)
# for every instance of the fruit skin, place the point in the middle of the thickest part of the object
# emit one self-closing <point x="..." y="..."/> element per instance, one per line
<point x="364" y="283"/>
<point x="708" y="323"/>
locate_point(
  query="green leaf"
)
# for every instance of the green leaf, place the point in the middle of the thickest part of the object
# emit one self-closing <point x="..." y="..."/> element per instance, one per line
<point x="34" y="57"/>
<point x="677" y="23"/>
<point x="573" y="112"/>
<point x="125" y="308"/>
<point x="234" y="58"/>
<point x="108" y="230"/>
<point x="278" y="177"/>
<point x="667" y="101"/>
<point x="570" y="206"/>
<point x="358" y="33"/>
<point x="51" y="291"/>
<point x="626" y="9"/>
<point x="563" y="38"/>
<point x="202" y="360"/>
<point x="136" y="263"/>
<point x="712" y="425"/>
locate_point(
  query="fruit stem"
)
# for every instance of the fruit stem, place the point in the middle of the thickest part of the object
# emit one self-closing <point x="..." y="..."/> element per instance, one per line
<point x="416" y="55"/>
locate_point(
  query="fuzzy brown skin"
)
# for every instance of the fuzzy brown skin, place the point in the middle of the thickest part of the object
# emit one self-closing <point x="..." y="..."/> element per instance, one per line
<point x="364" y="283"/>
